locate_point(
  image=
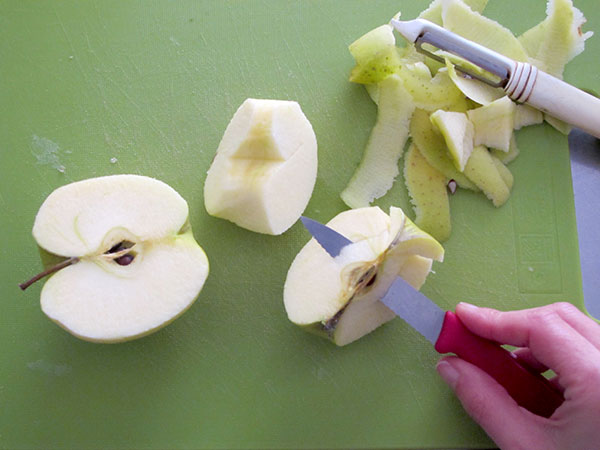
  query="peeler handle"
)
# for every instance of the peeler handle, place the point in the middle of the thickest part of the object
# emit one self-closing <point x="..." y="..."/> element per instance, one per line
<point x="529" y="85"/>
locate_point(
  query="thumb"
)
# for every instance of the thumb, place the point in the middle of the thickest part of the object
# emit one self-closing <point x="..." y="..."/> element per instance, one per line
<point x="488" y="403"/>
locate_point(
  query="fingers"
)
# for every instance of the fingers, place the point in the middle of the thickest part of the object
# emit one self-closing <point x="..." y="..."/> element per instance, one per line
<point x="488" y="403"/>
<point x="526" y="358"/>
<point x="552" y="341"/>
<point x="584" y="325"/>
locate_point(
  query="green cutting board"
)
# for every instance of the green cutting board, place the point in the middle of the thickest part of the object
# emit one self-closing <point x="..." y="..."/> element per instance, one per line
<point x="98" y="88"/>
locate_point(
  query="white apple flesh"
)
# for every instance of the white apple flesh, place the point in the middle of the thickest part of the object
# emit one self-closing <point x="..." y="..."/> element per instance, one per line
<point x="114" y="293"/>
<point x="265" y="168"/>
<point x="338" y="297"/>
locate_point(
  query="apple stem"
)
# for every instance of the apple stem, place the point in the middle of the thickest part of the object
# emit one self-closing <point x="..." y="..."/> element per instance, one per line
<point x="49" y="271"/>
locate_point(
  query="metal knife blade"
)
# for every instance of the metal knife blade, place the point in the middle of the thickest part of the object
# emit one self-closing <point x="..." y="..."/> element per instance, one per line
<point x="415" y="309"/>
<point x="404" y="300"/>
<point x="332" y="241"/>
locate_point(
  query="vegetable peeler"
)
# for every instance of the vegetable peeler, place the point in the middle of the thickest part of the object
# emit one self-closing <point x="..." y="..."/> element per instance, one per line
<point x="522" y="82"/>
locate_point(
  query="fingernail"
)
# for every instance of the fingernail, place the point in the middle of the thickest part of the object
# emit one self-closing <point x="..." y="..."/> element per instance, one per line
<point x="448" y="373"/>
<point x="468" y="306"/>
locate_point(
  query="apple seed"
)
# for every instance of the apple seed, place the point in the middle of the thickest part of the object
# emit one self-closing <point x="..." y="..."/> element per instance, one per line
<point x="125" y="260"/>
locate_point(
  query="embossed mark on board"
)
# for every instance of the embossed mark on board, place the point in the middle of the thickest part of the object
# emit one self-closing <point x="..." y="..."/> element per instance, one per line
<point x="536" y="238"/>
<point x="538" y="267"/>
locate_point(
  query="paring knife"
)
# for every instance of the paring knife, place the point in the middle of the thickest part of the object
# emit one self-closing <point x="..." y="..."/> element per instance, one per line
<point x="447" y="333"/>
<point x="522" y="82"/>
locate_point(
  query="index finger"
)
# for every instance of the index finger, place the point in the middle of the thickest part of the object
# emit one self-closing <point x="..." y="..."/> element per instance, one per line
<point x="552" y="341"/>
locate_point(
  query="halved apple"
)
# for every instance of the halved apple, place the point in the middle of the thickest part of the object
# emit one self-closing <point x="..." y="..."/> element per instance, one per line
<point x="265" y="168"/>
<point x="130" y="262"/>
<point x="337" y="298"/>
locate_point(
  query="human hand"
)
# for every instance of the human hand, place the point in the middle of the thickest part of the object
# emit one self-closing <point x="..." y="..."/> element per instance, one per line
<point x="557" y="337"/>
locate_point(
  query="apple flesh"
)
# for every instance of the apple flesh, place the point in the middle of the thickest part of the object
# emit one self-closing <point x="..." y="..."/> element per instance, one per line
<point x="134" y="264"/>
<point x="338" y="298"/>
<point x="265" y="168"/>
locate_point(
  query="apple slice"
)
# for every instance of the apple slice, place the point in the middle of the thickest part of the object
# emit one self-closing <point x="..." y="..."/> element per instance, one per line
<point x="482" y="170"/>
<point x="458" y="132"/>
<point x="132" y="264"/>
<point x="337" y="298"/>
<point x="507" y="157"/>
<point x="265" y="168"/>
<point x="494" y="123"/>
<point x="432" y="146"/>
<point x="526" y="115"/>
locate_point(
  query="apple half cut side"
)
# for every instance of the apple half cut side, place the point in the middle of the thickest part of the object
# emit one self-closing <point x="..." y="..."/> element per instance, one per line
<point x="134" y="265"/>
<point x="337" y="298"/>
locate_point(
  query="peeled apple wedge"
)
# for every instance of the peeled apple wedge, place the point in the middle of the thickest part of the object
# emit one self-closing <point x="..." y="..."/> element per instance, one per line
<point x="337" y="298"/>
<point x="458" y="132"/>
<point x="265" y="168"/>
<point x="432" y="146"/>
<point x="507" y="157"/>
<point x="526" y="115"/>
<point x="133" y="265"/>
<point x="494" y="123"/>
<point x="483" y="171"/>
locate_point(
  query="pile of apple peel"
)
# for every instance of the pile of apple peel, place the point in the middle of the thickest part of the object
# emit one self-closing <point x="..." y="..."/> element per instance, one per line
<point x="338" y="298"/>
<point x="461" y="132"/>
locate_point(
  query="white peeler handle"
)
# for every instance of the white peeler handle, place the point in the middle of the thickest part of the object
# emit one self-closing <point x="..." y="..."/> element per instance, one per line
<point x="529" y="85"/>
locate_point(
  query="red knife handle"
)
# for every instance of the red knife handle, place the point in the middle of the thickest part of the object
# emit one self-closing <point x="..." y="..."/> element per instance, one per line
<point x="530" y="390"/>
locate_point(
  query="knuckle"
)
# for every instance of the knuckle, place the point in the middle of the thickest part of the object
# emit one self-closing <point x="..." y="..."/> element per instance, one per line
<point x="566" y="308"/>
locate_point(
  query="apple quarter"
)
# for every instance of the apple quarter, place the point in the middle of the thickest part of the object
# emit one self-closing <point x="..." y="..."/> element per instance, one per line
<point x="265" y="167"/>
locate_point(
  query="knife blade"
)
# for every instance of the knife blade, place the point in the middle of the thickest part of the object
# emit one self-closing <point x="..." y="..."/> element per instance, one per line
<point x="332" y="241"/>
<point x="449" y="335"/>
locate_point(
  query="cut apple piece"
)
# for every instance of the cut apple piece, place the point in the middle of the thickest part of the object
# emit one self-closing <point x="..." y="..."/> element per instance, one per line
<point x="428" y="193"/>
<point x="494" y="123"/>
<point x="458" y="131"/>
<point x="507" y="157"/>
<point x="265" y="168"/>
<point x="526" y="115"/>
<point x="379" y="165"/>
<point x="482" y="170"/>
<point x="135" y="265"/>
<point x="559" y="125"/>
<point x="432" y="146"/>
<point x="504" y="172"/>
<point x="338" y="298"/>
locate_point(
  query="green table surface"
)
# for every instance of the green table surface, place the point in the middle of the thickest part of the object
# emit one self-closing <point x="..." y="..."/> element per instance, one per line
<point x="148" y="87"/>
